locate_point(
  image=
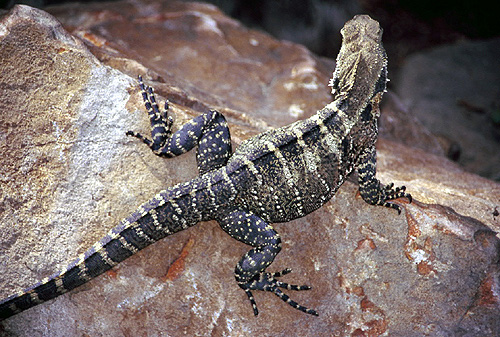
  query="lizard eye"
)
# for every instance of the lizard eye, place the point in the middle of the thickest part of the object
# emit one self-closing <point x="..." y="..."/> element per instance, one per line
<point x="334" y="83"/>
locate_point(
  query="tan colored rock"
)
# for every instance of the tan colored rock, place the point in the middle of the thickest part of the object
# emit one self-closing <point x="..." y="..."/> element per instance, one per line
<point x="69" y="174"/>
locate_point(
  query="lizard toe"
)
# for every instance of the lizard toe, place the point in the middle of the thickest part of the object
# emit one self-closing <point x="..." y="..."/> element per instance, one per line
<point x="268" y="282"/>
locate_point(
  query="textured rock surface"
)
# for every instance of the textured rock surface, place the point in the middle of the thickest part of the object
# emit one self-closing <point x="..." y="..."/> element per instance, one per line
<point x="69" y="174"/>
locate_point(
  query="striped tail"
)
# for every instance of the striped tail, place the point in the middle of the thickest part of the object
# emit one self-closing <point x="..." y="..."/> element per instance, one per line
<point x="168" y="212"/>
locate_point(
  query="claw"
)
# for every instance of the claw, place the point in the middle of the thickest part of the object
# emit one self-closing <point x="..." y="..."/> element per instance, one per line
<point x="268" y="282"/>
<point x="161" y="122"/>
<point x="294" y="304"/>
<point x="280" y="273"/>
<point x="392" y="193"/>
<point x="252" y="301"/>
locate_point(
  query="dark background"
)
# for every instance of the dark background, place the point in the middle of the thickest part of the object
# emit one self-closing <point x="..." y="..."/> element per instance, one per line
<point x="409" y="27"/>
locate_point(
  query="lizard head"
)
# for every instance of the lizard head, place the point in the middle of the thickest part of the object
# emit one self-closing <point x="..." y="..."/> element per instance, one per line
<point x="361" y="67"/>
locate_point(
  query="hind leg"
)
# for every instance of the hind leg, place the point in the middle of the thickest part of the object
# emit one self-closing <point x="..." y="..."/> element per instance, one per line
<point x="250" y="271"/>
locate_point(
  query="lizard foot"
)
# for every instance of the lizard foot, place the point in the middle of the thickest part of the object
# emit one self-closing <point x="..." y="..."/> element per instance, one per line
<point x="161" y="121"/>
<point x="268" y="282"/>
<point x="392" y="193"/>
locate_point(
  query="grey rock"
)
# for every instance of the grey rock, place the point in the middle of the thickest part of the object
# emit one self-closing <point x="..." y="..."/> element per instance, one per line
<point x="454" y="91"/>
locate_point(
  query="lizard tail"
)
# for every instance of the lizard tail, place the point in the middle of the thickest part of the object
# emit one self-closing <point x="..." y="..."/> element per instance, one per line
<point x="170" y="211"/>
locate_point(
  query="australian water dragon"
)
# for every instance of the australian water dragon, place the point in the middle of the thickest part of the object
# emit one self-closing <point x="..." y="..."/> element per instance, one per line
<point x="276" y="176"/>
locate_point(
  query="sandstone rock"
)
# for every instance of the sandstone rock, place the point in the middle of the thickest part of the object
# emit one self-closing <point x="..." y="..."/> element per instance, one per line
<point x="69" y="174"/>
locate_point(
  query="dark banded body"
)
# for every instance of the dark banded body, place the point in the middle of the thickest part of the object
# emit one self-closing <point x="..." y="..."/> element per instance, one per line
<point x="296" y="169"/>
<point x="276" y="176"/>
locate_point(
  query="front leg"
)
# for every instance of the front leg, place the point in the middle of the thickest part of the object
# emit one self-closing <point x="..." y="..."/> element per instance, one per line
<point x="208" y="131"/>
<point x="370" y="188"/>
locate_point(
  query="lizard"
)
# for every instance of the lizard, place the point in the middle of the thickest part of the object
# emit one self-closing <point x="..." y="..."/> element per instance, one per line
<point x="276" y="176"/>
